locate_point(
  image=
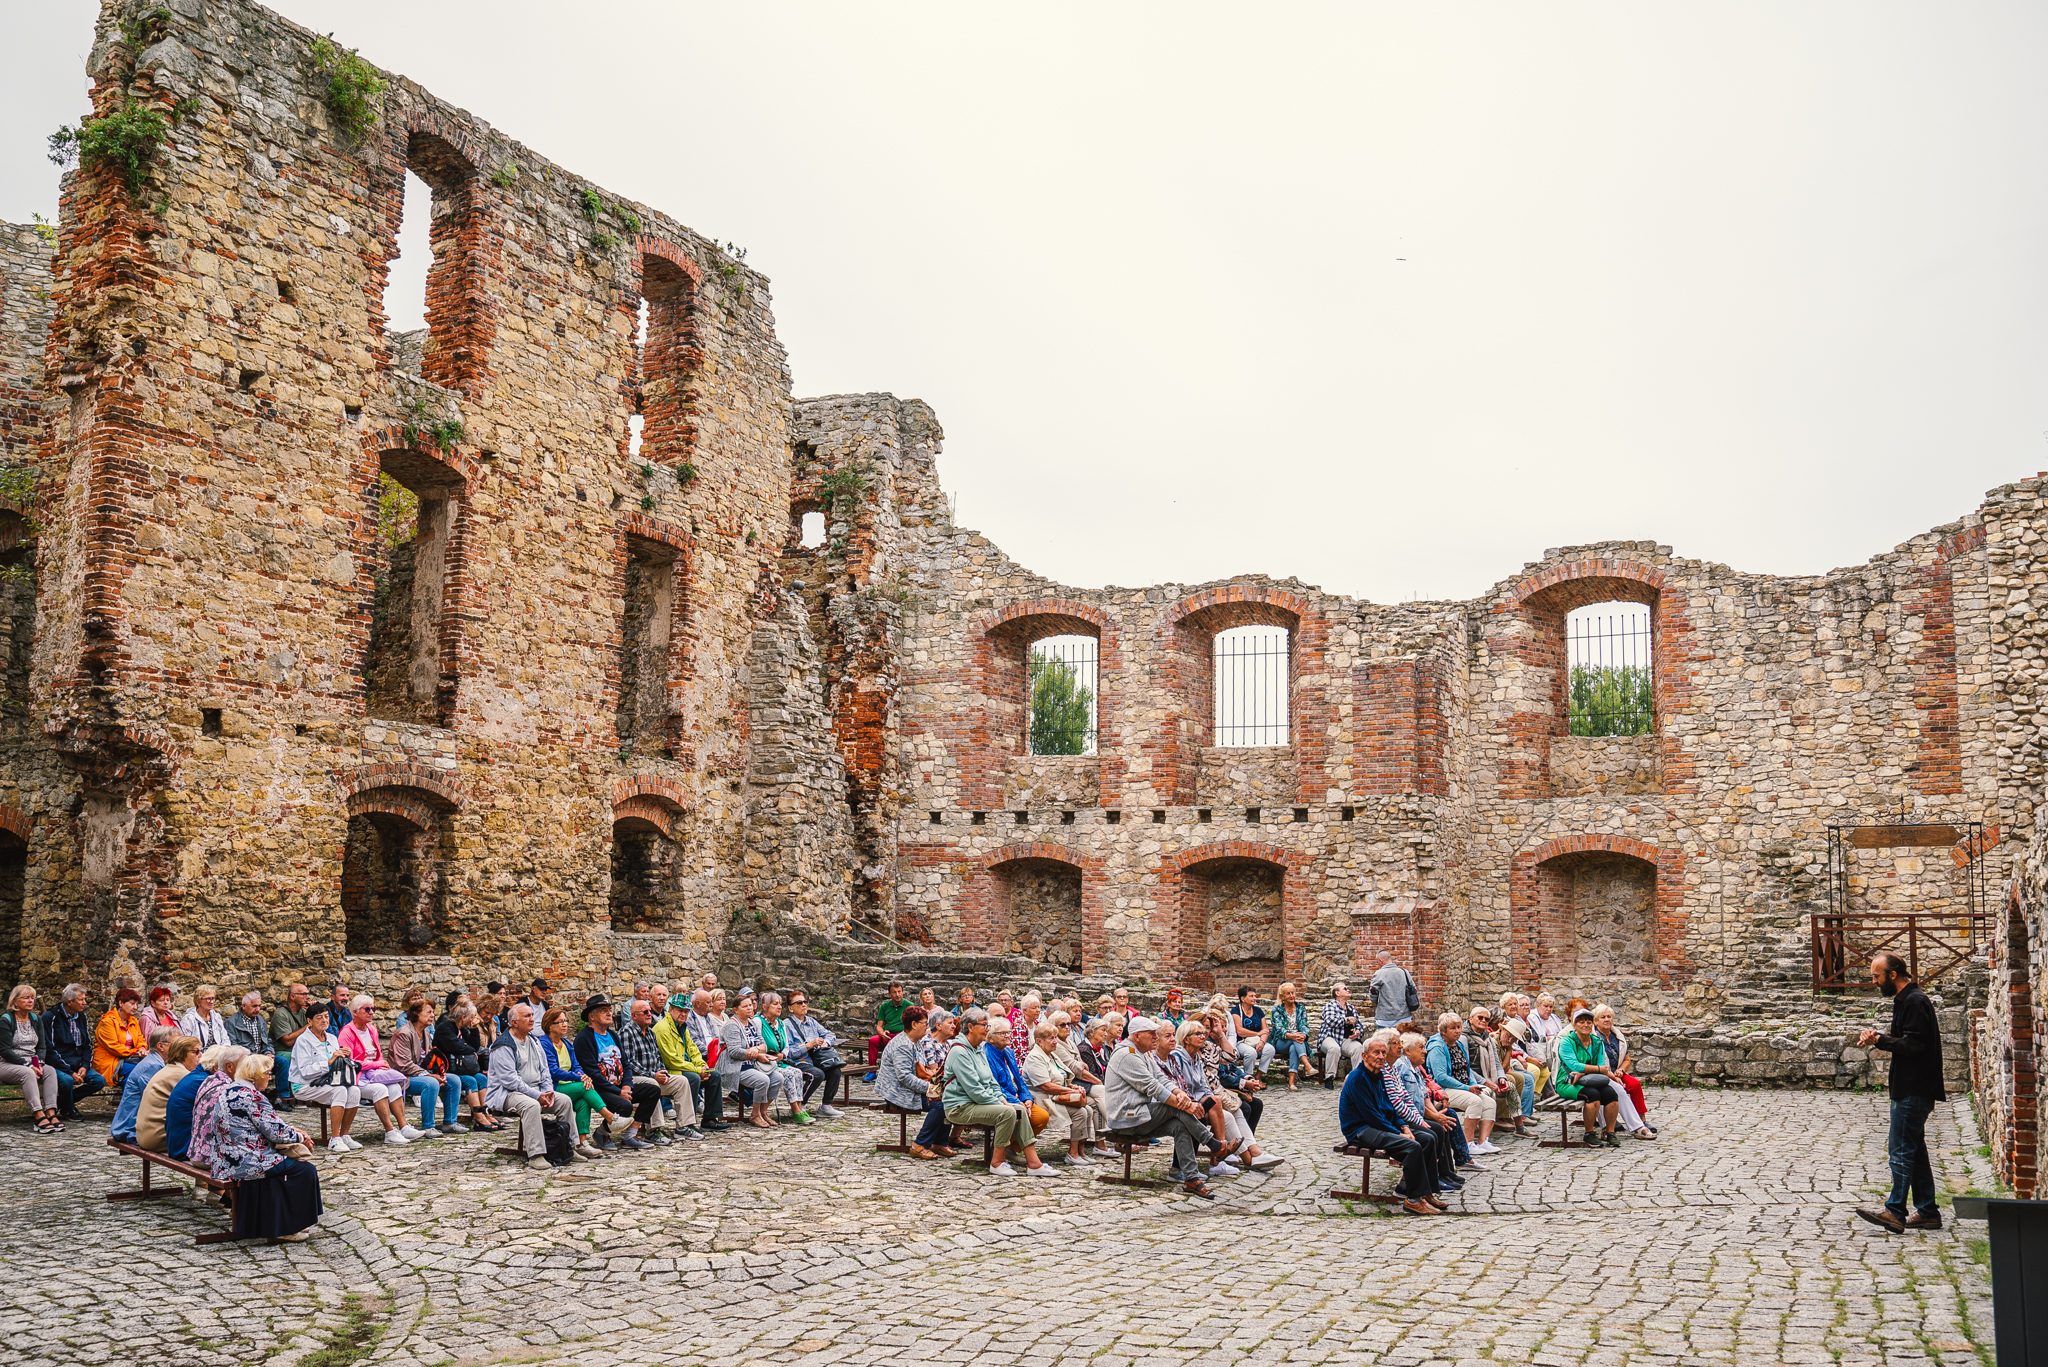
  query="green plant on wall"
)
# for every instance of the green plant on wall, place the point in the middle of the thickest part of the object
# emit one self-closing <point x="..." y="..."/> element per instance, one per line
<point x="398" y="511"/>
<point x="18" y="486"/>
<point x="506" y="176"/>
<point x="146" y="26"/>
<point x="353" y="86"/>
<point x="421" y="425"/>
<point x="123" y="144"/>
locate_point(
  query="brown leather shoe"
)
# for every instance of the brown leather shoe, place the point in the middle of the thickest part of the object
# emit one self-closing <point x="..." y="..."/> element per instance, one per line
<point x="1420" y="1208"/>
<point x="920" y="1151"/>
<point x="1199" y="1188"/>
<point x="1882" y="1218"/>
<point x="1436" y="1199"/>
<point x="1918" y="1221"/>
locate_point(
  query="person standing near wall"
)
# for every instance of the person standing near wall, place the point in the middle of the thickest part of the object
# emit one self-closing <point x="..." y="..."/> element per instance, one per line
<point x="1395" y="999"/>
<point x="1914" y="1042"/>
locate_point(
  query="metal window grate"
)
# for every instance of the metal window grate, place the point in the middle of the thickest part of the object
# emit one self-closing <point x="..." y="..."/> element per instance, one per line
<point x="1062" y="685"/>
<point x="1251" y="686"/>
<point x="1610" y="688"/>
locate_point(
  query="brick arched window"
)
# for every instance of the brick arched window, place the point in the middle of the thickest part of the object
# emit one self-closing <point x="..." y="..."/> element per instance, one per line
<point x="1047" y="663"/>
<point x="1238" y="671"/>
<point x="1036" y="899"/>
<point x="458" y="315"/>
<point x="646" y="893"/>
<point x="393" y="871"/>
<point x="667" y="357"/>
<point x="1598" y="914"/>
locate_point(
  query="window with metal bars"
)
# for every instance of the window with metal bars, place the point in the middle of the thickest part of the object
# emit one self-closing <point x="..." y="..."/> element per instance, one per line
<point x="1251" y="665"/>
<point x="1061" y="679"/>
<point x="1609" y="690"/>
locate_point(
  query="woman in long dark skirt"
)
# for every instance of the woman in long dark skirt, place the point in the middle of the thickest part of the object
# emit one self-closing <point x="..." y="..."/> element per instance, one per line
<point x="279" y="1196"/>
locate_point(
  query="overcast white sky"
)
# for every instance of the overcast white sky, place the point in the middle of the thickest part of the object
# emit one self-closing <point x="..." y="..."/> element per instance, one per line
<point x="1388" y="297"/>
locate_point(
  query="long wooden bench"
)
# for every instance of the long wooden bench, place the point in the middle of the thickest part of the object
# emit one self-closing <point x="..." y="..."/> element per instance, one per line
<point x="205" y="1180"/>
<point x="1365" y="1191"/>
<point x="1569" y="1112"/>
<point x="902" y="1114"/>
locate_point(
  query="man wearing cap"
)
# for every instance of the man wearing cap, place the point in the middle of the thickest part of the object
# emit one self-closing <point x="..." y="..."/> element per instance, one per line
<point x="1142" y="1101"/>
<point x="540" y="995"/>
<point x="682" y="1053"/>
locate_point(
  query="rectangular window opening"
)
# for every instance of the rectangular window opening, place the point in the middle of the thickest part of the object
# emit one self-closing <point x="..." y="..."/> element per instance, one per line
<point x="1115" y="817"/>
<point x="1351" y="814"/>
<point x="1061" y="681"/>
<point x="1609" y="686"/>
<point x="1066" y="818"/>
<point x="209" y="721"/>
<point x="1251" y="815"/>
<point x="1202" y="815"/>
<point x="648" y="622"/>
<point x="1251" y="681"/>
<point x="1301" y="813"/>
<point x="413" y="508"/>
<point x="1158" y="818"/>
<point x="1023" y="817"/>
<point x="978" y="819"/>
<point x="937" y="817"/>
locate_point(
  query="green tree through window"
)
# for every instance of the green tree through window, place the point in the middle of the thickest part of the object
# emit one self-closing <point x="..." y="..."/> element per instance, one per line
<point x="1062" y="708"/>
<point x="1611" y="700"/>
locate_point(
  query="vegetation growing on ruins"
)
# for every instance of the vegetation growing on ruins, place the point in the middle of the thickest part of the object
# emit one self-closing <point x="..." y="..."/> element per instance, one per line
<point x="146" y="26"/>
<point x="506" y="175"/>
<point x="124" y="143"/>
<point x="353" y="85"/>
<point x="398" y="511"/>
<point x="441" y="433"/>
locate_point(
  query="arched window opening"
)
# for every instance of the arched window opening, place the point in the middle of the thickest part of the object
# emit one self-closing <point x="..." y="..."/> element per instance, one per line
<point x="1609" y="689"/>
<point x="649" y="627"/>
<point x="811" y="529"/>
<point x="1594" y="918"/>
<point x="390" y="886"/>
<point x="666" y="333"/>
<point x="13" y="899"/>
<point x="1252" y="676"/>
<point x="437" y="322"/>
<point x="17" y="607"/>
<point x="1061" y="677"/>
<point x="415" y="503"/>
<point x="1232" y="924"/>
<point x="1038" y="904"/>
<point x="645" y="897"/>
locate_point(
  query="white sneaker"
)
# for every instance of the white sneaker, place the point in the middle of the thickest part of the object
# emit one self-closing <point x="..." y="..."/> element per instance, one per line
<point x="338" y="1145"/>
<point x="396" y="1137"/>
<point x="1486" y="1147"/>
<point x="1042" y="1170"/>
<point x="587" y="1150"/>
<point x="1265" y="1161"/>
<point x="537" y="1163"/>
<point x="410" y="1133"/>
<point x="831" y="1113"/>
<point x="352" y="1142"/>
<point x="1002" y="1170"/>
<point x="1224" y="1169"/>
<point x="1082" y="1162"/>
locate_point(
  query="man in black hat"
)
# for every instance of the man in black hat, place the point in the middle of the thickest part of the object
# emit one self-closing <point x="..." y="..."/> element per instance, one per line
<point x="598" y="1054"/>
<point x="1914" y="1042"/>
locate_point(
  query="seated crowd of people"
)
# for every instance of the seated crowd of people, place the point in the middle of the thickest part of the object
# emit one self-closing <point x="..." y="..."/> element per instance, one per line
<point x="1056" y="1083"/>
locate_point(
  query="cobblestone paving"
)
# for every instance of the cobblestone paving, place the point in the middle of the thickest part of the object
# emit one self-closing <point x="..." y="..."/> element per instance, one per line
<point x="1728" y="1241"/>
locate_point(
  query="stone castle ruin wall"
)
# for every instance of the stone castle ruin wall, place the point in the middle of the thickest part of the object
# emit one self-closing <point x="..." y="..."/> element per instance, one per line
<point x="335" y="652"/>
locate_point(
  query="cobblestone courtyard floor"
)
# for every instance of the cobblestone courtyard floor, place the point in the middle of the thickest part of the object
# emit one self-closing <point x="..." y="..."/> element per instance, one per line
<point x="1728" y="1241"/>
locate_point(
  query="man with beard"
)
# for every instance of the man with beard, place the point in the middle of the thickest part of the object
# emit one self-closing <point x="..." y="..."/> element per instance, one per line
<point x="1914" y="1042"/>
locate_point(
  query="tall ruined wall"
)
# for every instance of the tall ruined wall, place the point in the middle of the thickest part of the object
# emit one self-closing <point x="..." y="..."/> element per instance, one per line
<point x="213" y="575"/>
<point x="1426" y="800"/>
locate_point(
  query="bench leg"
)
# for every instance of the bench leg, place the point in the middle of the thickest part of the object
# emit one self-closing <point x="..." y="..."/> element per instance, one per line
<point x="902" y="1144"/>
<point x="147" y="1193"/>
<point x="1564" y="1138"/>
<point x="227" y="1235"/>
<point x="1365" y="1191"/>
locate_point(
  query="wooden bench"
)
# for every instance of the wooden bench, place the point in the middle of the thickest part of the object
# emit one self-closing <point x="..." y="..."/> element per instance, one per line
<point x="902" y="1114"/>
<point x="1127" y="1147"/>
<point x="988" y="1147"/>
<point x="1365" y="1191"/>
<point x="200" y="1177"/>
<point x="847" y="1098"/>
<point x="1566" y="1118"/>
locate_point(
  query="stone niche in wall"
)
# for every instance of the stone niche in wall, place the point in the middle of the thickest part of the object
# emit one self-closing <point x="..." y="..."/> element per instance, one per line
<point x="1039" y="781"/>
<point x="1599" y="766"/>
<point x="1040" y="901"/>
<point x="1246" y="776"/>
<point x="1240" y="937"/>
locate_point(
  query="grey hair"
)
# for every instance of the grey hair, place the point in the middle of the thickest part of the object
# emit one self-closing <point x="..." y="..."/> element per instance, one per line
<point x="252" y="995"/>
<point x="230" y="1059"/>
<point x="972" y="1017"/>
<point x="361" y="1000"/>
<point x="1336" y="987"/>
<point x="1411" y="1040"/>
<point x="73" y="991"/>
<point x="1031" y="999"/>
<point x="999" y="1022"/>
<point x="517" y="1007"/>
<point x="1449" y="1018"/>
<point x="1045" y="1030"/>
<point x="158" y="1034"/>
<point x="1387" y="1036"/>
<point x="767" y="997"/>
<point x="1060" y="1018"/>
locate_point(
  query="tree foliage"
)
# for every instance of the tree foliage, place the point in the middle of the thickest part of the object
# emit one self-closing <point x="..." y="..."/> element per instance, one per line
<point x="1061" y="708"/>
<point x="398" y="511"/>
<point x="1611" y="700"/>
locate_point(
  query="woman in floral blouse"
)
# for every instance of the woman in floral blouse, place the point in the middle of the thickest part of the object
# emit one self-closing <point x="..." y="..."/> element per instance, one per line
<point x="234" y="1131"/>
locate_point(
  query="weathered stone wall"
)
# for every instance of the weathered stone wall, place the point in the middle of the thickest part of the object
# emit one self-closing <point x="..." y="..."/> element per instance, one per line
<point x="206" y="577"/>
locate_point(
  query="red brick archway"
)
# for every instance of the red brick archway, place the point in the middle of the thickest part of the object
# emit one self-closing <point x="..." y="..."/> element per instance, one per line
<point x="1000" y="645"/>
<point x="1181" y="886"/>
<point x="1538" y="930"/>
<point x="984" y="926"/>
<point x="1187" y="635"/>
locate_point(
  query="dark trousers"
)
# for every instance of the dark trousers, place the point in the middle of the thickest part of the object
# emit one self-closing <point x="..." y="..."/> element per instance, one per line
<point x="70" y="1093"/>
<point x="1443" y="1153"/>
<point x="1912" y="1170"/>
<point x="645" y="1097"/>
<point x="933" y="1132"/>
<point x="816" y="1075"/>
<point x="709" y="1096"/>
<point x="1418" y="1161"/>
<point x="1189" y="1135"/>
<point x="1460" y="1150"/>
<point x="1249" y="1109"/>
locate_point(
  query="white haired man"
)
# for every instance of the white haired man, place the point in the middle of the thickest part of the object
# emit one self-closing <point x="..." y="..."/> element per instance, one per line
<point x="518" y="1082"/>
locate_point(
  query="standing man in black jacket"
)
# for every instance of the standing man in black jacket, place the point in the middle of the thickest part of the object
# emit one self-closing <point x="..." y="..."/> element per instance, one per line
<point x="1914" y="1042"/>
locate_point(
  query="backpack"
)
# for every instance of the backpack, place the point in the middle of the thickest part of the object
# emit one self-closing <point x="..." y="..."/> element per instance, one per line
<point x="561" y="1141"/>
